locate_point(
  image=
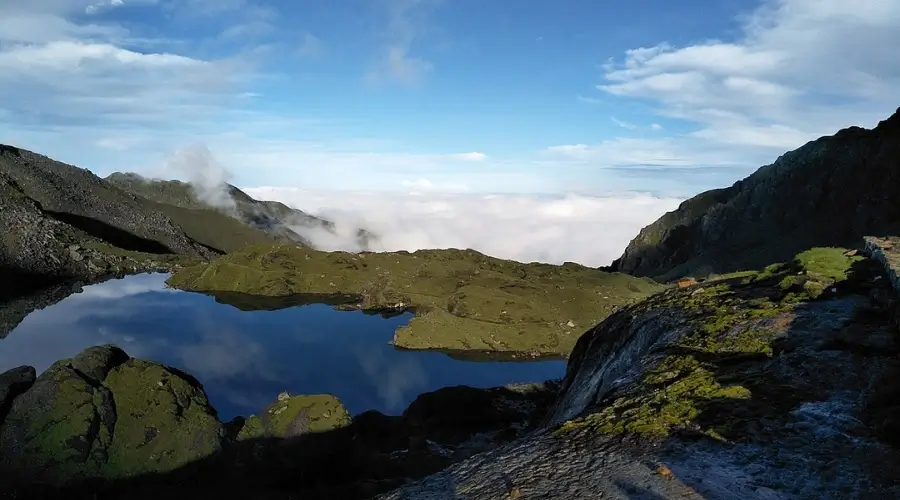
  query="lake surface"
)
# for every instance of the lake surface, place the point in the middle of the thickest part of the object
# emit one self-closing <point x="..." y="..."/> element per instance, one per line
<point x="244" y="359"/>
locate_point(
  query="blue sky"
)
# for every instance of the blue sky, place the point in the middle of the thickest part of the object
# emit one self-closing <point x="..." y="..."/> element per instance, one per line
<point x="455" y="95"/>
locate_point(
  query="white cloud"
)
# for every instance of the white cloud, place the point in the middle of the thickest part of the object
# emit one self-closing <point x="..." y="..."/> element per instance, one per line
<point x="208" y="178"/>
<point x="311" y="46"/>
<point x="475" y="156"/>
<point x="623" y="124"/>
<point x="99" y="6"/>
<point x="589" y="230"/>
<point x="801" y="69"/>
<point x="406" y="23"/>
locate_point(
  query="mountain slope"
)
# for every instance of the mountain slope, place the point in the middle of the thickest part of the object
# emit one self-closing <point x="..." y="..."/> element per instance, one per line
<point x="80" y="199"/>
<point x="280" y="221"/>
<point x="60" y="223"/>
<point x="829" y="192"/>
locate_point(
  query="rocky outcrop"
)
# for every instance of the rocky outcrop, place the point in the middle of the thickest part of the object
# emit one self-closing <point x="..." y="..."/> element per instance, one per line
<point x="462" y="300"/>
<point x="830" y="192"/>
<point x="886" y="251"/>
<point x="103" y="414"/>
<point x="746" y="387"/>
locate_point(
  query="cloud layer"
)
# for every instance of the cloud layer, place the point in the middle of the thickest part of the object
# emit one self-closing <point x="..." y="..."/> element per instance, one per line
<point x="589" y="230"/>
<point x="800" y="69"/>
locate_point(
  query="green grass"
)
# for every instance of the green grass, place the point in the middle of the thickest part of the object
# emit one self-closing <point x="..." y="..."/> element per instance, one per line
<point x="462" y="299"/>
<point x="214" y="229"/>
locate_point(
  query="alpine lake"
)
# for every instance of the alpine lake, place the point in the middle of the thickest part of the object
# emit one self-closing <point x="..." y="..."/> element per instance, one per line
<point x="244" y="359"/>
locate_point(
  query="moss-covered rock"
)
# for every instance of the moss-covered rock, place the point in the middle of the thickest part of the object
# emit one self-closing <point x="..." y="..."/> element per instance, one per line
<point x="102" y="414"/>
<point x="292" y="416"/>
<point x="462" y="299"/>
<point x="164" y="419"/>
<point x="701" y="357"/>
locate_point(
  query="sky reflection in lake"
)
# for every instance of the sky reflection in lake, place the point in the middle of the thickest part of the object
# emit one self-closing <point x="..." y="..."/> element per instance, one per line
<point x="244" y="359"/>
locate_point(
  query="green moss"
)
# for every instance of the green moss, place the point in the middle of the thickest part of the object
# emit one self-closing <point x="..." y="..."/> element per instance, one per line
<point x="295" y="415"/>
<point x="827" y="263"/>
<point x="462" y="299"/>
<point x="62" y="433"/>
<point x="676" y="391"/>
<point x="729" y="320"/>
<point x="163" y="421"/>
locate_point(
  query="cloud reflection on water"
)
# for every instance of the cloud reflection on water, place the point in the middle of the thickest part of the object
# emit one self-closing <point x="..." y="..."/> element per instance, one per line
<point x="244" y="359"/>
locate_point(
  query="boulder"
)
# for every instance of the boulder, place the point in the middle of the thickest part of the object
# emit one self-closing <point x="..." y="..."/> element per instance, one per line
<point x="102" y="414"/>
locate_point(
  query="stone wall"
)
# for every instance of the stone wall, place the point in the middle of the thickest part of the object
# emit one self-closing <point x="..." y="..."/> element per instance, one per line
<point x="886" y="250"/>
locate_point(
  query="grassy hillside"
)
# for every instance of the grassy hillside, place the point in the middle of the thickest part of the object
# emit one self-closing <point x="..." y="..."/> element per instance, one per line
<point x="462" y="299"/>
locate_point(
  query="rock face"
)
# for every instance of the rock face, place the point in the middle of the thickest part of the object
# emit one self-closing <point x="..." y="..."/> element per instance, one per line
<point x="59" y="223"/>
<point x="832" y="191"/>
<point x="750" y="387"/>
<point x="282" y="222"/>
<point x="103" y="414"/>
<point x="462" y="299"/>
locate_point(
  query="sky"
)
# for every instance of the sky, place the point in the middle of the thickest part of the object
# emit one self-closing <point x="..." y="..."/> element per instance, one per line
<point x="594" y="103"/>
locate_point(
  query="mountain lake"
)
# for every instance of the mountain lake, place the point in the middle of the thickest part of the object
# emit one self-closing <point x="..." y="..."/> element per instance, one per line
<point x="244" y="359"/>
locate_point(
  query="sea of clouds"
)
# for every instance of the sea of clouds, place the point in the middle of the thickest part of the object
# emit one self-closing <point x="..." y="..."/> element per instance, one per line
<point x="590" y="230"/>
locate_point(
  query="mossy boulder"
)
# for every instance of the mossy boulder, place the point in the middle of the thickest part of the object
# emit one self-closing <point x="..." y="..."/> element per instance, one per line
<point x="292" y="416"/>
<point x="103" y="414"/>
<point x="462" y="299"/>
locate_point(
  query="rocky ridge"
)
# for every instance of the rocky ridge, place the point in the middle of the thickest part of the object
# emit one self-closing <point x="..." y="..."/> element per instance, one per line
<point x="830" y="192"/>
<point x="282" y="222"/>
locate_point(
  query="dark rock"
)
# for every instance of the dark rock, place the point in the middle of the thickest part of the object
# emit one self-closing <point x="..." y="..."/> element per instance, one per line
<point x="829" y="192"/>
<point x="95" y="363"/>
<point x="13" y="383"/>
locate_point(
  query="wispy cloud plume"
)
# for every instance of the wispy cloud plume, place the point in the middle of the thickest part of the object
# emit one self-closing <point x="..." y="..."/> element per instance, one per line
<point x="407" y="21"/>
<point x="208" y="178"/>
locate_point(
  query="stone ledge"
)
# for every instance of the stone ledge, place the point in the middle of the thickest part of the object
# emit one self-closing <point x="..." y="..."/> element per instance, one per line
<point x="885" y="250"/>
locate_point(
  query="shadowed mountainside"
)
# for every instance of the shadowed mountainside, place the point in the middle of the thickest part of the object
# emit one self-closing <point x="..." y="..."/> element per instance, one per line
<point x="832" y="191"/>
